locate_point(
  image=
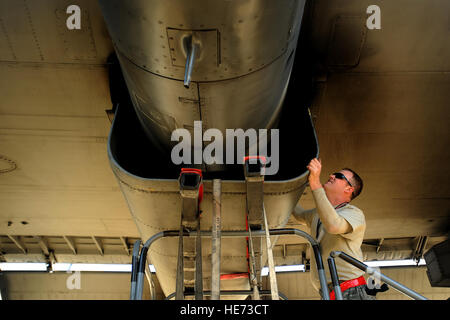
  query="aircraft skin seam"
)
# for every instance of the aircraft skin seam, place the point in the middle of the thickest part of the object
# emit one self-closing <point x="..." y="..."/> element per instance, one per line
<point x="136" y="188"/>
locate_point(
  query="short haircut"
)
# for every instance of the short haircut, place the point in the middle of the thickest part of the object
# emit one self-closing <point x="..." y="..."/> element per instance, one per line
<point x="357" y="183"/>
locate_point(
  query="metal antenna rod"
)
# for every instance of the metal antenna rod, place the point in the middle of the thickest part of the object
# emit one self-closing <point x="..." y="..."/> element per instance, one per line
<point x="191" y="52"/>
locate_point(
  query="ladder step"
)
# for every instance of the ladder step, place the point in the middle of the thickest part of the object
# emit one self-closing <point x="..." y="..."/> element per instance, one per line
<point x="189" y="255"/>
<point x="189" y="269"/>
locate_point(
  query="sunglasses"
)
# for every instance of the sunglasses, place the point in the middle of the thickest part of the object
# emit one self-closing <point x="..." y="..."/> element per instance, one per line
<point x="341" y="176"/>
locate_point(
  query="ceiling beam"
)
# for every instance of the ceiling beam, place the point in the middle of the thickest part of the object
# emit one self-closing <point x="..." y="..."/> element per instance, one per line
<point x="52" y="258"/>
<point x="98" y="245"/>
<point x="380" y="242"/>
<point x="420" y="248"/>
<point x="70" y="243"/>
<point x="43" y="244"/>
<point x="18" y="243"/>
<point x="125" y="245"/>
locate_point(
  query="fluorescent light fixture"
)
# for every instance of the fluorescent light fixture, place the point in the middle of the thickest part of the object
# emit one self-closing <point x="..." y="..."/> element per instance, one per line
<point x="381" y="264"/>
<point x="291" y="268"/>
<point x="16" y="266"/>
<point x="111" y="267"/>
<point x="395" y="263"/>
<point x="99" y="267"/>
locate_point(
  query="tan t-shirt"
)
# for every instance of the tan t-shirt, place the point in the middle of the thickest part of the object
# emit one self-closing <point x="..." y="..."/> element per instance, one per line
<point x="349" y="243"/>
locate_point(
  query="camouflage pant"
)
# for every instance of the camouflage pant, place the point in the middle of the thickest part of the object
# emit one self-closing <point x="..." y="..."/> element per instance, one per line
<point x="357" y="293"/>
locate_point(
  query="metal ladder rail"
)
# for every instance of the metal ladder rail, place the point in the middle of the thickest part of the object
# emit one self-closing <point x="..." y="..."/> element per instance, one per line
<point x="189" y="264"/>
<point x="272" y="275"/>
<point x="335" y="278"/>
<point x="226" y="234"/>
<point x="252" y="267"/>
<point x="373" y="272"/>
<point x="134" y="268"/>
<point x="254" y="167"/>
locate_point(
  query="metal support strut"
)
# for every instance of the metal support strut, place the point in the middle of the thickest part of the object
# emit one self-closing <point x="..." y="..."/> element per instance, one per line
<point x="216" y="240"/>
<point x="134" y="265"/>
<point x="335" y="278"/>
<point x="377" y="274"/>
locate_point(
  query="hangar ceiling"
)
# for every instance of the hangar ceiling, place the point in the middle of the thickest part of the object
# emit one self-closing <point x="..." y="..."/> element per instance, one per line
<point x="380" y="107"/>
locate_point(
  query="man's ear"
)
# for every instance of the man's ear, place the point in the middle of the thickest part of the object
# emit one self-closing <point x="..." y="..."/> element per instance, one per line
<point x="349" y="189"/>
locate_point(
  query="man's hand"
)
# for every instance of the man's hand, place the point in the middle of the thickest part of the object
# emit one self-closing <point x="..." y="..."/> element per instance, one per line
<point x="314" y="167"/>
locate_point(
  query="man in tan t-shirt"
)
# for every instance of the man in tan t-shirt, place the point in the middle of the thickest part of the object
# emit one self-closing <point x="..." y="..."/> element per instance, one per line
<point x="337" y="226"/>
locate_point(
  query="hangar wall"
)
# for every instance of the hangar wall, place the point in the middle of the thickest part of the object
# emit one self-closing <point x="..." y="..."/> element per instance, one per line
<point x="116" y="286"/>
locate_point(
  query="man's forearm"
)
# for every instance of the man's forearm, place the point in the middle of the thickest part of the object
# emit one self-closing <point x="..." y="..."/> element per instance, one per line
<point x="314" y="185"/>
